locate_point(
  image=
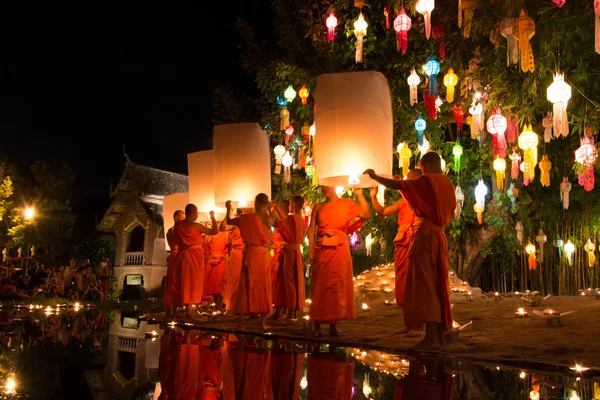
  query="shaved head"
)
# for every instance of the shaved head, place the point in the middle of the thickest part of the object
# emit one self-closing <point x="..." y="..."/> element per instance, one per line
<point x="191" y="213"/>
<point x="179" y="215"/>
<point x="261" y="200"/>
<point x="431" y="163"/>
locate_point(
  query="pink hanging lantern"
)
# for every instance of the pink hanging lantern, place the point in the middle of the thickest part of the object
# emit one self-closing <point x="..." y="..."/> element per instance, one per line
<point x="438" y="32"/>
<point x="559" y="3"/>
<point x="288" y="134"/>
<point x="515" y="158"/>
<point x="402" y="25"/>
<point x="496" y="126"/>
<point x="586" y="156"/>
<point x="331" y="23"/>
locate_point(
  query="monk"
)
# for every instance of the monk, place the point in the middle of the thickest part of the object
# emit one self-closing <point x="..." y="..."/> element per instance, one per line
<point x="252" y="370"/>
<point x="332" y="289"/>
<point x="217" y="263"/>
<point x="281" y="209"/>
<point x="170" y="289"/>
<point x="426" y="297"/>
<point x="166" y="363"/>
<point x="187" y="235"/>
<point x="406" y="217"/>
<point x="286" y="370"/>
<point x="254" y="291"/>
<point x="234" y="268"/>
<point x="289" y="291"/>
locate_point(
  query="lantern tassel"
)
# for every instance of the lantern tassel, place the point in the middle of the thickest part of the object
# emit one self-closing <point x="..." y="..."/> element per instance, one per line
<point x="433" y="86"/>
<point x="359" y="48"/>
<point x="403" y="41"/>
<point x="278" y="168"/>
<point x="532" y="262"/>
<point x="450" y="94"/>
<point x="560" y="119"/>
<point x="287" y="176"/>
<point x="414" y="99"/>
<point x="500" y="177"/>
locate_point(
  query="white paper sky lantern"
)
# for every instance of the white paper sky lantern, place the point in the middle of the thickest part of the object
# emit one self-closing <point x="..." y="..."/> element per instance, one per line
<point x="354" y="119"/>
<point x="242" y="166"/>
<point x="201" y="184"/>
<point x="172" y="203"/>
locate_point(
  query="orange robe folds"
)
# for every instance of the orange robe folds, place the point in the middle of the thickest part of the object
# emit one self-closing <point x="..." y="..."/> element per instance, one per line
<point x="252" y="370"/>
<point x="277" y="247"/>
<point x="329" y="378"/>
<point x="332" y="289"/>
<point x="406" y="217"/>
<point x="187" y="371"/>
<point x="254" y="290"/>
<point x="171" y="295"/>
<point x="234" y="269"/>
<point x="286" y="369"/>
<point x="289" y="290"/>
<point x="217" y="263"/>
<point x="166" y="364"/>
<point x="190" y="263"/>
<point x="426" y="296"/>
<point x="210" y="375"/>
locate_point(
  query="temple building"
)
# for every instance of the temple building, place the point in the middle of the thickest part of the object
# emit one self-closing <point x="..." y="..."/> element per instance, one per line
<point x="135" y="217"/>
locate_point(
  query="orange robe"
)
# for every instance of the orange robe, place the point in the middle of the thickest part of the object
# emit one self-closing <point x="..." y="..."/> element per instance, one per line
<point x="329" y="378"/>
<point x="254" y="291"/>
<point x="210" y="376"/>
<point x="190" y="263"/>
<point x="252" y="372"/>
<point x="166" y="365"/>
<point x="426" y="295"/>
<point x="234" y="268"/>
<point x="187" y="371"/>
<point x="171" y="296"/>
<point x="226" y="371"/>
<point x="277" y="247"/>
<point x="286" y="371"/>
<point x="406" y="217"/>
<point x="217" y="263"/>
<point x="289" y="290"/>
<point x="332" y="289"/>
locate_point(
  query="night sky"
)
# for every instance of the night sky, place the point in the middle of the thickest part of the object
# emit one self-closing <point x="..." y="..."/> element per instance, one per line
<point x="77" y="92"/>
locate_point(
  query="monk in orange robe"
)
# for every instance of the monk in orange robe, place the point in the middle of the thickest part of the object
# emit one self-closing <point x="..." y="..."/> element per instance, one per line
<point x="332" y="289"/>
<point x="277" y="247"/>
<point x="329" y="377"/>
<point x="289" y="291"/>
<point x="217" y="263"/>
<point x="234" y="267"/>
<point x="406" y="218"/>
<point x="190" y="258"/>
<point x="171" y="295"/>
<point x="254" y="295"/>
<point x="187" y="367"/>
<point x="286" y="371"/>
<point x="426" y="296"/>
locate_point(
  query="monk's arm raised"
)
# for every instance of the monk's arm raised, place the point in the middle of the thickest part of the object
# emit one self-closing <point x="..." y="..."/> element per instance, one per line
<point x="228" y="220"/>
<point x="381" y="210"/>
<point x="365" y="212"/>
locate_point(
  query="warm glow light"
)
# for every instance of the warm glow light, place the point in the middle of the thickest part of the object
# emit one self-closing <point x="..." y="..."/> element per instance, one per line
<point x="579" y="368"/>
<point x="522" y="375"/>
<point x="365" y="306"/>
<point x="10" y="385"/>
<point x="29" y="213"/>
<point x="303" y="383"/>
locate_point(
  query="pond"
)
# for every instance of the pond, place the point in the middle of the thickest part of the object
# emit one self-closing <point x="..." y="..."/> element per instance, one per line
<point x="87" y="353"/>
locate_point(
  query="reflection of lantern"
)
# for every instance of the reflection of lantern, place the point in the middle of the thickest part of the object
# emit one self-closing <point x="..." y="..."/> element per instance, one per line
<point x="565" y="188"/>
<point x="360" y="31"/>
<point x="331" y="23"/>
<point x="496" y="126"/>
<point x="528" y="142"/>
<point x="424" y="148"/>
<point x="545" y="167"/>
<point x="288" y="134"/>
<point x="500" y="168"/>
<point x="402" y="25"/>
<point x="558" y="94"/>
<point x="520" y="229"/>
<point x="343" y="120"/>
<point x="287" y="161"/>
<point x="530" y="250"/>
<point x="586" y="156"/>
<point x="413" y="80"/>
<point x="589" y="249"/>
<point x="457" y="150"/>
<point x="303" y="93"/>
<point x="289" y="94"/>
<point x="178" y="201"/>
<point x="279" y="151"/>
<point x="425" y="7"/>
<point x="523" y="30"/>
<point x="404" y="155"/>
<point x="541" y="239"/>
<point x="515" y="159"/>
<point x="420" y="126"/>
<point x="450" y="80"/>
<point x="547" y="123"/>
<point x="478" y="208"/>
<point x="480" y="193"/>
<point x="460" y="200"/>
<point x="569" y="250"/>
<point x="432" y="67"/>
<point x="242" y="164"/>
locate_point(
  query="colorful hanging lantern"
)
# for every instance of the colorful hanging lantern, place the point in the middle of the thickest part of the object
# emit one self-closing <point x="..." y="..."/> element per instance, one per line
<point x="289" y="94"/>
<point x="425" y="7"/>
<point x="512" y="45"/>
<point x="479" y="211"/>
<point x="520" y="230"/>
<point x="477" y="118"/>
<point x="559" y="3"/>
<point x="460" y="201"/>
<point x="402" y="25"/>
<point x="466" y="10"/>
<point x="512" y="193"/>
<point x="331" y="23"/>
<point x="287" y="161"/>
<point x="512" y="129"/>
<point x="565" y="188"/>
<point x="450" y="80"/>
<point x="515" y="159"/>
<point x="558" y="94"/>
<point x="541" y="239"/>
<point x="303" y="93"/>
<point x="496" y="126"/>
<point x="569" y="250"/>
<point x="586" y="156"/>
<point x="480" y="193"/>
<point x="459" y="116"/>
<point x="597" y="14"/>
<point x="413" y="80"/>
<point x="360" y="31"/>
<point x="528" y="142"/>
<point x="432" y="67"/>
<point x="545" y="167"/>
<point x="500" y="168"/>
<point x="439" y="31"/>
<point x="523" y="31"/>
<point x="288" y="134"/>
<point x="284" y="119"/>
<point x="424" y="148"/>
<point x="457" y="151"/>
<point x="386" y="14"/>
<point x="559" y="244"/>
<point x="548" y="122"/>
<point x="368" y="244"/>
<point x="589" y="249"/>
<point x="279" y="151"/>
<point x="530" y="250"/>
<point x="404" y="155"/>
<point x="420" y="126"/>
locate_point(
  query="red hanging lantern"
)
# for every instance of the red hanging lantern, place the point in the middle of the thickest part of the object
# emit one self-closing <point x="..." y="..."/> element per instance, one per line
<point x="331" y="23"/>
<point x="512" y="129"/>
<point x="438" y="32"/>
<point x="459" y="115"/>
<point x="429" y="105"/>
<point x="402" y="25"/>
<point x="386" y="12"/>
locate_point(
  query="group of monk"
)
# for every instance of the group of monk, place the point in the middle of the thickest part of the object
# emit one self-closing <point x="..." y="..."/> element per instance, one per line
<point x="240" y="271"/>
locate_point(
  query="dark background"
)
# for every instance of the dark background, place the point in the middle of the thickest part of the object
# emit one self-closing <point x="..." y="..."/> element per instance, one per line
<point x="75" y="86"/>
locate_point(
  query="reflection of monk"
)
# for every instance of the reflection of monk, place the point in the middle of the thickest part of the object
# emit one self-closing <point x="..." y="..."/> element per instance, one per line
<point x="187" y="367"/>
<point x="332" y="290"/>
<point x="170" y="290"/>
<point x="329" y="378"/>
<point x="406" y="218"/>
<point x="252" y="371"/>
<point x="277" y="247"/>
<point x="217" y="263"/>
<point x="286" y="370"/>
<point x="426" y="380"/>
<point x="210" y="374"/>
<point x="166" y="364"/>
<point x="426" y="298"/>
<point x="189" y="278"/>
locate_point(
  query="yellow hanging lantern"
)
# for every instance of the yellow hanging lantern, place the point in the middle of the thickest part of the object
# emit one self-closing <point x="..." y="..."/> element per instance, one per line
<point x="545" y="167"/>
<point x="360" y="31"/>
<point x="589" y="249"/>
<point x="285" y="119"/>
<point x="466" y="10"/>
<point x="479" y="211"/>
<point x="404" y="155"/>
<point x="450" y="80"/>
<point x="523" y="30"/>
<point x="500" y="168"/>
<point x="528" y="142"/>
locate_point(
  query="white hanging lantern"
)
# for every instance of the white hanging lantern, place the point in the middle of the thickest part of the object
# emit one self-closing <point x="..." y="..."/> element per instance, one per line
<point x="559" y="94"/>
<point x="279" y="151"/>
<point x="287" y="161"/>
<point x="425" y="7"/>
<point x="569" y="250"/>
<point x="480" y="192"/>
<point x="360" y="31"/>
<point x="413" y="81"/>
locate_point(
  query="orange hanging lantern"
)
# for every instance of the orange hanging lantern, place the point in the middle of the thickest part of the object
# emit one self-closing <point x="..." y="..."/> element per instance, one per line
<point x="523" y="30"/>
<point x="530" y="250"/>
<point x="500" y="168"/>
<point x="528" y="142"/>
<point x="479" y="211"/>
<point x="545" y="167"/>
<point x="303" y="93"/>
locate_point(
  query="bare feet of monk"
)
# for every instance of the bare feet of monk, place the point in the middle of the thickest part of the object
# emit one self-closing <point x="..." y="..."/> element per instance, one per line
<point x="334" y="331"/>
<point x="263" y="323"/>
<point x="402" y="331"/>
<point x="431" y="340"/>
<point x="414" y="333"/>
<point x="283" y="316"/>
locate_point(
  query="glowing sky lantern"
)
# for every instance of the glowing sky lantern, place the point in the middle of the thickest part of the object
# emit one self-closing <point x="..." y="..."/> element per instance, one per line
<point x="413" y="80"/>
<point x="530" y="250"/>
<point x="558" y="94"/>
<point x="496" y="126"/>
<point x="402" y="25"/>
<point x="172" y="203"/>
<point x="589" y="249"/>
<point x="450" y="80"/>
<point x="303" y="93"/>
<point x="523" y="30"/>
<point x="480" y="192"/>
<point x="541" y="239"/>
<point x="545" y="167"/>
<point x="242" y="164"/>
<point x="457" y="151"/>
<point x="528" y="142"/>
<point x="331" y="23"/>
<point x="569" y="250"/>
<point x="360" y="31"/>
<point x="344" y="120"/>
<point x="420" y="126"/>
<point x="500" y="168"/>
<point x="201" y="182"/>
<point x="586" y="156"/>
<point x="425" y="7"/>
<point x="432" y="68"/>
<point x="404" y="155"/>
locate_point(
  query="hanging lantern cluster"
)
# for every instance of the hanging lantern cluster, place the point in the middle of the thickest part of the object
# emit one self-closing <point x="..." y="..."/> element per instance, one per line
<point x="586" y="156"/>
<point x="528" y="142"/>
<point x="360" y="31"/>
<point x="402" y="25"/>
<point x="413" y="80"/>
<point x="558" y="94"/>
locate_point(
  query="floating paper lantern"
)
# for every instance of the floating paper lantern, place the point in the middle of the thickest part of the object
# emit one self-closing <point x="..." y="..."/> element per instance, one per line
<point x="500" y="168"/>
<point x="201" y="181"/>
<point x="457" y="151"/>
<point x="528" y="142"/>
<point x="360" y="31"/>
<point x="420" y="126"/>
<point x="523" y="30"/>
<point x="303" y="93"/>
<point x="480" y="193"/>
<point x="413" y="80"/>
<point x="404" y="155"/>
<point x="569" y="250"/>
<point x="279" y="151"/>
<point x="402" y="25"/>
<point x="589" y="249"/>
<point x="460" y="200"/>
<point x="170" y="204"/>
<point x="565" y="188"/>
<point x="586" y="156"/>
<point x="545" y="167"/>
<point x="331" y="23"/>
<point x="520" y="230"/>
<point x="512" y="45"/>
<point x="466" y="10"/>
<point x="424" y="148"/>
<point x="496" y="126"/>
<point x="287" y="161"/>
<point x="558" y="94"/>
<point x="547" y="123"/>
<point x="242" y="164"/>
<point x="515" y="159"/>
<point x="450" y="80"/>
<point x="541" y="239"/>
<point x="344" y="119"/>
<point x="425" y="7"/>
<point x="530" y="250"/>
<point x="478" y="208"/>
<point x="432" y="67"/>
<point x="289" y="94"/>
